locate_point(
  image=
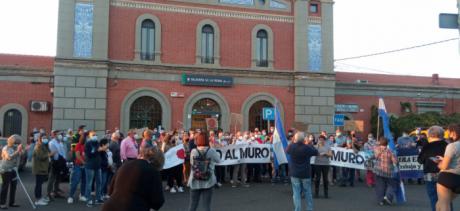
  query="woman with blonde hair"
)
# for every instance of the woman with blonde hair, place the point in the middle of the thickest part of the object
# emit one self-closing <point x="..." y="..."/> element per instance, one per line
<point x="448" y="185"/>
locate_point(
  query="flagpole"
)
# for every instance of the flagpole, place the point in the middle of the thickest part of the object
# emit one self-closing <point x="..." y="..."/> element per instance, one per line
<point x="378" y="128"/>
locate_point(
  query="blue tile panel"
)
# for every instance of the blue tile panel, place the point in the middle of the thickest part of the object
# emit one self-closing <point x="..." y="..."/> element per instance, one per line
<point x="314" y="47"/>
<point x="83" y="30"/>
<point x="239" y="2"/>
<point x="277" y="5"/>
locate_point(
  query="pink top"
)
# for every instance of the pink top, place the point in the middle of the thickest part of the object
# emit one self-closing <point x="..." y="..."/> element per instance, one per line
<point x="128" y="149"/>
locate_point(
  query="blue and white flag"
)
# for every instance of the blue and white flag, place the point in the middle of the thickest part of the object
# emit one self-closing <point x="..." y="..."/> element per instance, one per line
<point x="279" y="141"/>
<point x="386" y="126"/>
<point x="400" y="192"/>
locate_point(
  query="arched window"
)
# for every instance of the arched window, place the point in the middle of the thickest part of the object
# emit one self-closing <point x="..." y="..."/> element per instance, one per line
<point x="145" y="112"/>
<point x="262" y="48"/>
<point x="207" y="44"/>
<point x="12" y="123"/>
<point x="148" y="40"/>
<point x="203" y="109"/>
<point x="255" y="116"/>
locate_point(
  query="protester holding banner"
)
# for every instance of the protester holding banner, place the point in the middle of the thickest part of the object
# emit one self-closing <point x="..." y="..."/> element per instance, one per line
<point x="173" y="174"/>
<point x="299" y="170"/>
<point x="369" y="148"/>
<point x="202" y="178"/>
<point x="240" y="168"/>
<point x="436" y="146"/>
<point x="322" y="166"/>
<point x="348" y="174"/>
<point x="449" y="179"/>
<point x="384" y="169"/>
<point x="215" y="142"/>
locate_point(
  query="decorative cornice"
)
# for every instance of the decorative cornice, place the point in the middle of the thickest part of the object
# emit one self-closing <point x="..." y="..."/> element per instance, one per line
<point x="314" y="19"/>
<point x="202" y="11"/>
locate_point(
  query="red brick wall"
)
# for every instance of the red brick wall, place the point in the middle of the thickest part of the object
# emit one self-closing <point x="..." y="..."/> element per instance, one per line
<point x="234" y="96"/>
<point x="179" y="38"/>
<point x="221" y="7"/>
<point x="24" y="92"/>
<point x="392" y="105"/>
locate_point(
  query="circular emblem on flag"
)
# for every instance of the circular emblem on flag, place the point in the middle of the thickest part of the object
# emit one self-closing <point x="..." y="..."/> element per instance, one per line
<point x="181" y="154"/>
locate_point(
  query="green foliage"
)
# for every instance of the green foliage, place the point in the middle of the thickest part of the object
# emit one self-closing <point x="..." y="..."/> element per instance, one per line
<point x="410" y="121"/>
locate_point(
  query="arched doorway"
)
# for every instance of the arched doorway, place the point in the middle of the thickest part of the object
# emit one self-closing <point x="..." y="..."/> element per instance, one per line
<point x="12" y="123"/>
<point x="145" y="112"/>
<point x="256" y="118"/>
<point x="203" y="109"/>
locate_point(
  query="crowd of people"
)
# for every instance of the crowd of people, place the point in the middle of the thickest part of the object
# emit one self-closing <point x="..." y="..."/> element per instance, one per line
<point x="112" y="169"/>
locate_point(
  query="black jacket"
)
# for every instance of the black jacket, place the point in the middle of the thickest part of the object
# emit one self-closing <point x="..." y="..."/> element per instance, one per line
<point x="429" y="150"/>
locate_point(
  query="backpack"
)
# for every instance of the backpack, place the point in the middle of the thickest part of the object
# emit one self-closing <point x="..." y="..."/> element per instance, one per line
<point x="201" y="166"/>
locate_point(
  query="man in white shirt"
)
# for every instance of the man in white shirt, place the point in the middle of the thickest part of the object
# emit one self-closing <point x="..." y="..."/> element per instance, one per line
<point x="57" y="154"/>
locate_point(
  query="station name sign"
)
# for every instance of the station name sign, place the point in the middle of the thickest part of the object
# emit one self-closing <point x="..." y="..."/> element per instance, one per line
<point x="352" y="108"/>
<point x="206" y="80"/>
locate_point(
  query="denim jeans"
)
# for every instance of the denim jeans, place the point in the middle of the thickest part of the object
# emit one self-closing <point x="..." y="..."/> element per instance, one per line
<point x="90" y="175"/>
<point x="348" y="175"/>
<point x="299" y="185"/>
<point x="77" y="176"/>
<point x="104" y="176"/>
<point x="432" y="193"/>
<point x="39" y="180"/>
<point x="205" y="194"/>
<point x="384" y="186"/>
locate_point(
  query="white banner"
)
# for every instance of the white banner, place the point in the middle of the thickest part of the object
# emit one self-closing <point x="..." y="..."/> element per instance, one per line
<point x="347" y="158"/>
<point x="174" y="156"/>
<point x="409" y="163"/>
<point x="261" y="153"/>
<point x="244" y="153"/>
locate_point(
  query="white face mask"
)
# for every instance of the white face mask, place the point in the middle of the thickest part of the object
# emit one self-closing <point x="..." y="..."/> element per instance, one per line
<point x="338" y="134"/>
<point x="45" y="141"/>
<point x="59" y="137"/>
<point x="94" y="138"/>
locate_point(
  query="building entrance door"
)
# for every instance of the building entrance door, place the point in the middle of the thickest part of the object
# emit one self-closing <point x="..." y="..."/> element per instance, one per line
<point x="203" y="109"/>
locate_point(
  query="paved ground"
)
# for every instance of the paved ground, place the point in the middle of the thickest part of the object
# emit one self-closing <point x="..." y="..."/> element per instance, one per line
<point x="259" y="197"/>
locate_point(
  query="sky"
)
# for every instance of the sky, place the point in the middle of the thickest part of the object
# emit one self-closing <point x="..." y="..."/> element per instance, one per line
<point x="361" y="27"/>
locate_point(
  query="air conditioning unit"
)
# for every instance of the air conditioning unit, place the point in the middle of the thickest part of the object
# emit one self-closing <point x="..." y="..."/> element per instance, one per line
<point x="39" y="106"/>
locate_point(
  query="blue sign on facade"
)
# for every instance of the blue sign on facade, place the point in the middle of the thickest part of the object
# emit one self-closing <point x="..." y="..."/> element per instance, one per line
<point x="339" y="120"/>
<point x="268" y="113"/>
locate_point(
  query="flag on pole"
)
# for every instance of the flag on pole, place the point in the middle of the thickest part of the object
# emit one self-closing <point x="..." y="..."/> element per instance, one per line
<point x="386" y="126"/>
<point x="279" y="141"/>
<point x="400" y="191"/>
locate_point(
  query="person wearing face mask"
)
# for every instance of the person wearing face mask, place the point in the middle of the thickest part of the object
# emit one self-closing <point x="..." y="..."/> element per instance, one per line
<point x="40" y="165"/>
<point x="10" y="160"/>
<point x="240" y="168"/>
<point x="58" y="165"/>
<point x="93" y="168"/>
<point x="369" y="147"/>
<point x="78" y="175"/>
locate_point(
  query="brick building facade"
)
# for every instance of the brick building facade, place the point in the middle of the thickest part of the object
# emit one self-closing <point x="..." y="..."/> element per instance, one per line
<point x="135" y="63"/>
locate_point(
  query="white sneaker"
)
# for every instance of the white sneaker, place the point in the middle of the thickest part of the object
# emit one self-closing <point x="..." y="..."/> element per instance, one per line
<point x="40" y="203"/>
<point x="45" y="199"/>
<point x="70" y="200"/>
<point x="167" y="188"/>
<point x="106" y="197"/>
<point x="219" y="184"/>
<point x="83" y="199"/>
<point x="180" y="189"/>
<point x="172" y="190"/>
